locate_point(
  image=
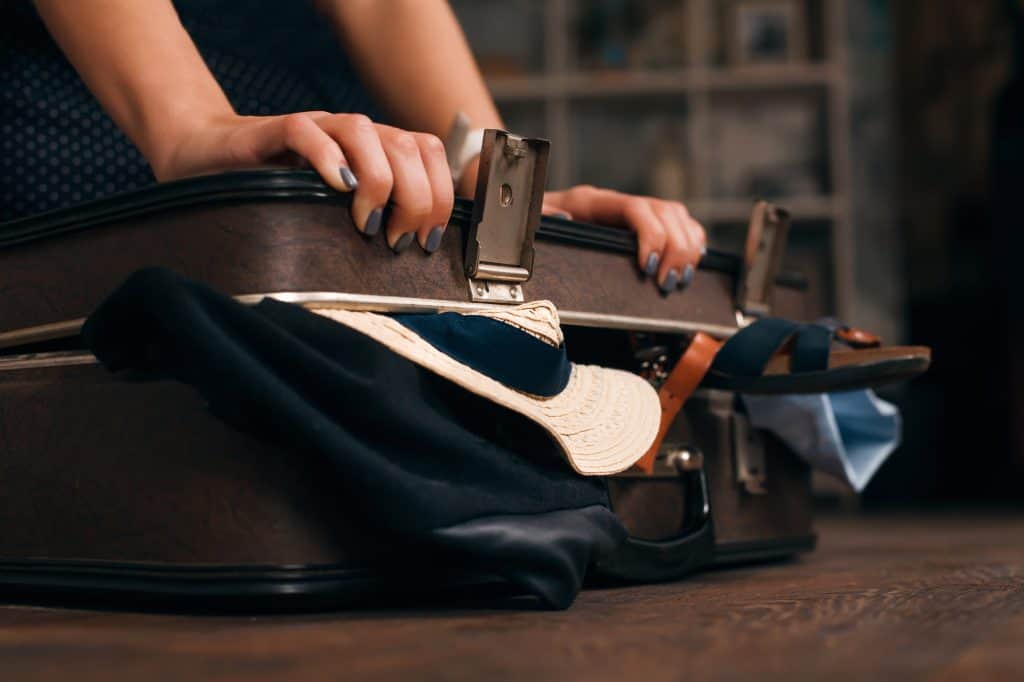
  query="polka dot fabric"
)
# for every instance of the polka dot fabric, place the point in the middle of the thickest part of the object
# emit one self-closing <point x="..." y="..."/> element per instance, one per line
<point x="59" y="148"/>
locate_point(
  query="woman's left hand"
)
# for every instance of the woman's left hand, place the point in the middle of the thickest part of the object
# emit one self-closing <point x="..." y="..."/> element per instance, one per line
<point x="670" y="242"/>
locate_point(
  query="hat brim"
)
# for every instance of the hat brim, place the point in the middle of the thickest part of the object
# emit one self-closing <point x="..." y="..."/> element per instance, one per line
<point x="603" y="421"/>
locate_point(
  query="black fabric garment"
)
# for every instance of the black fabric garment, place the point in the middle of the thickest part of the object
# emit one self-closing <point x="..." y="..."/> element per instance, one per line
<point x="58" y="147"/>
<point x="424" y="459"/>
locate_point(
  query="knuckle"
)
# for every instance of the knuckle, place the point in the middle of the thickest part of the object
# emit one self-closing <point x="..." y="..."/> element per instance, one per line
<point x="378" y="181"/>
<point x="635" y="206"/>
<point x="360" y="123"/>
<point x="405" y="144"/>
<point x="652" y="235"/>
<point x="583" y="192"/>
<point x="293" y="125"/>
<point x="675" y="241"/>
<point x="431" y="144"/>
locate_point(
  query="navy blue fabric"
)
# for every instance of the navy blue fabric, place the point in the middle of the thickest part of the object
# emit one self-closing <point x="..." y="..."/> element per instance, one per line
<point x="749" y="350"/>
<point x="811" y="350"/>
<point x="499" y="350"/>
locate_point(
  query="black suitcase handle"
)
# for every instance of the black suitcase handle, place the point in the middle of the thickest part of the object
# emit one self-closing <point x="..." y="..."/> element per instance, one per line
<point x="644" y="561"/>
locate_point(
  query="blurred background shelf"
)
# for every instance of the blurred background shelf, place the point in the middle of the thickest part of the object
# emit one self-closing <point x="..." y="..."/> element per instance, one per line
<point x="814" y="212"/>
<point x="711" y="102"/>
<point x="616" y="83"/>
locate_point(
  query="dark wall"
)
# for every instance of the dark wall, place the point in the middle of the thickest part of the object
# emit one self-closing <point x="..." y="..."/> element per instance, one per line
<point x="961" y="173"/>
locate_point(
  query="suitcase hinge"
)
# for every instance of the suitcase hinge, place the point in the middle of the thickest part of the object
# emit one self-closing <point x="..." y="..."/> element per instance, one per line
<point x="506" y="214"/>
<point x="762" y="258"/>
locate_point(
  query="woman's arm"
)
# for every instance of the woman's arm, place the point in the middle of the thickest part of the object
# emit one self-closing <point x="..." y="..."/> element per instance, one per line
<point x="414" y="56"/>
<point x="141" y="64"/>
<point x="145" y="70"/>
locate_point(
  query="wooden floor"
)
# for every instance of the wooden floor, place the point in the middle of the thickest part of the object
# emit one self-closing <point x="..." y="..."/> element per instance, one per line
<point x="909" y="598"/>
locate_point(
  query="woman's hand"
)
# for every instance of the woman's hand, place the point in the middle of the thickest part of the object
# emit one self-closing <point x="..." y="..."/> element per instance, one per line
<point x="378" y="163"/>
<point x="670" y="242"/>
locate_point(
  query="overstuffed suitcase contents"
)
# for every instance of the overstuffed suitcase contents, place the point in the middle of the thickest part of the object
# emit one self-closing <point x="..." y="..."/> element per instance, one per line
<point x="289" y="437"/>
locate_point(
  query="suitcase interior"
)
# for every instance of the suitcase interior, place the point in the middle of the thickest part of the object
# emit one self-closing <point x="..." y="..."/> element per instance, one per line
<point x="123" y="484"/>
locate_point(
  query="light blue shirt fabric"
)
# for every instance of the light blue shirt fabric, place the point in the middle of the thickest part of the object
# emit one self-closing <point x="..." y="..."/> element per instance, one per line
<point x="848" y="435"/>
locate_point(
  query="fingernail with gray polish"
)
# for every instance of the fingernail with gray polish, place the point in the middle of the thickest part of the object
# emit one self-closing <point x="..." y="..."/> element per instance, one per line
<point x="348" y="178"/>
<point x="671" y="280"/>
<point x="704" y="250"/>
<point x="434" y="239"/>
<point x="652" y="265"/>
<point x="687" y="276"/>
<point x="403" y="243"/>
<point x="373" y="222"/>
<point x="561" y="214"/>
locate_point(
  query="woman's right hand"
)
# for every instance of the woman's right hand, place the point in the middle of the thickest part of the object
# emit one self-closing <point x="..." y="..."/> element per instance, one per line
<point x="378" y="163"/>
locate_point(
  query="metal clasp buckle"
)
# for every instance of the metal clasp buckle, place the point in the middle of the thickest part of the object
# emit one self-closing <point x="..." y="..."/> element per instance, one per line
<point x="762" y="259"/>
<point x="506" y="214"/>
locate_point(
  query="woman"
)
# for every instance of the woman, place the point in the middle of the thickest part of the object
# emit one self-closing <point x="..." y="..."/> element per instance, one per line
<point x="200" y="86"/>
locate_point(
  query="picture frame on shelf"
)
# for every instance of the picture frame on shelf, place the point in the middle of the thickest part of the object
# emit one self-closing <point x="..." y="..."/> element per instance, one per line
<point x="766" y="32"/>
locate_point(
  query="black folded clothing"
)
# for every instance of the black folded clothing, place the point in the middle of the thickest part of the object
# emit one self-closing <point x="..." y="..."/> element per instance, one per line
<point x="427" y="462"/>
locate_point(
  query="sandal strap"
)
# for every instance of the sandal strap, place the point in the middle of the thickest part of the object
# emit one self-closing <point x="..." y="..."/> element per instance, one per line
<point x="811" y="349"/>
<point x="749" y="350"/>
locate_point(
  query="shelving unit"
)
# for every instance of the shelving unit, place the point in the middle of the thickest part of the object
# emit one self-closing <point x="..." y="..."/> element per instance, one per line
<point x="554" y="95"/>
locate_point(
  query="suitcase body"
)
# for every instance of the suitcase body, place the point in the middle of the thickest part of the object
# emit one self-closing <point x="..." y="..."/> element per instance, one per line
<point x="121" y="485"/>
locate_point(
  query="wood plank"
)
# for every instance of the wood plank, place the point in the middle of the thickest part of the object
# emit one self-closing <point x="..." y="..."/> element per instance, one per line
<point x="918" y="598"/>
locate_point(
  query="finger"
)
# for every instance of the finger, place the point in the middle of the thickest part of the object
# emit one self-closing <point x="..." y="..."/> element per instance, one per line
<point x="439" y="175"/>
<point x="675" y="258"/>
<point x="364" y="150"/>
<point x="695" y="230"/>
<point x="650" y="234"/>
<point x="693" y="235"/>
<point x="596" y="205"/>
<point x="300" y="134"/>
<point x="555" y="212"/>
<point x="411" y="197"/>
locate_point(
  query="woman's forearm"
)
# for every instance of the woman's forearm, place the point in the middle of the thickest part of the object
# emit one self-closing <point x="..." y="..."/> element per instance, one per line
<point x="414" y="56"/>
<point x="141" y="65"/>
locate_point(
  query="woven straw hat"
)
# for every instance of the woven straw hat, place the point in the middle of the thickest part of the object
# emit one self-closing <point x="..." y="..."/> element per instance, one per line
<point x="604" y="419"/>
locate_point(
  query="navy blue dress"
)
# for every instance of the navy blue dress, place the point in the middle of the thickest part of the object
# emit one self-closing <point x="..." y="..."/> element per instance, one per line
<point x="57" y="145"/>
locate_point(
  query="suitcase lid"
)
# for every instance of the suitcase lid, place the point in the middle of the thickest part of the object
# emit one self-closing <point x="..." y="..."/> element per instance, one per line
<point x="499" y="229"/>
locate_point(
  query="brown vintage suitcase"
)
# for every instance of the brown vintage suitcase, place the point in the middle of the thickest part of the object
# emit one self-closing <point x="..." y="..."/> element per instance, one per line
<point x="123" y="485"/>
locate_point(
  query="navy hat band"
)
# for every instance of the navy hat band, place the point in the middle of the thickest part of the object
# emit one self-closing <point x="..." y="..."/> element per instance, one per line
<point x="506" y="354"/>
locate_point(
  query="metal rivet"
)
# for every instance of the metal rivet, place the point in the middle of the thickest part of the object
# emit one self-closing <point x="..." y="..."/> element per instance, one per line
<point x="514" y="291"/>
<point x="480" y="289"/>
<point x="505" y="195"/>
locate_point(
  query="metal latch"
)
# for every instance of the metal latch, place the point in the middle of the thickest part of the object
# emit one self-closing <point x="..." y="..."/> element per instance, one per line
<point x="748" y="448"/>
<point x="745" y="442"/>
<point x="672" y="460"/>
<point x="762" y="258"/>
<point x="506" y="214"/>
